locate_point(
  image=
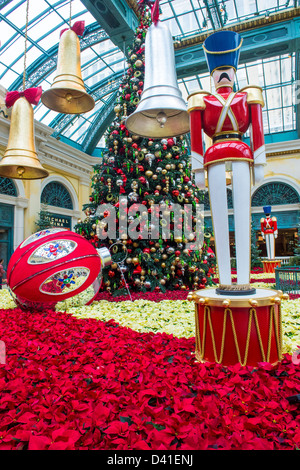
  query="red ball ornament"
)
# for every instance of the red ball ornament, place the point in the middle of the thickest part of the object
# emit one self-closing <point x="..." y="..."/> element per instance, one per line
<point x="53" y="265"/>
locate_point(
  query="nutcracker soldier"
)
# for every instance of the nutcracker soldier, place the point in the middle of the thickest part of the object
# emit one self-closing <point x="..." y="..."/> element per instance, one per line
<point x="269" y="231"/>
<point x="231" y="324"/>
<point x="225" y="116"/>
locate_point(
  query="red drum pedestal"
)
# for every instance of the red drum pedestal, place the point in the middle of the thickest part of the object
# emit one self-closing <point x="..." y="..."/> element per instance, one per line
<point x="236" y="329"/>
<point x="269" y="265"/>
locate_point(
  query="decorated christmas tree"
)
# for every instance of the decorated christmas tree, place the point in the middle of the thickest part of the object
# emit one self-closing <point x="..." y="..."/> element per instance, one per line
<point x="255" y="251"/>
<point x="144" y="205"/>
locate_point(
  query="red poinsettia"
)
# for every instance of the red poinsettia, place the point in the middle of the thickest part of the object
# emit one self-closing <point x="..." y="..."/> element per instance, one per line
<point x="81" y="384"/>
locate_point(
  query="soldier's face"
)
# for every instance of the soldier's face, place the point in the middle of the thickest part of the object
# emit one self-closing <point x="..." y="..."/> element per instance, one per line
<point x="224" y="77"/>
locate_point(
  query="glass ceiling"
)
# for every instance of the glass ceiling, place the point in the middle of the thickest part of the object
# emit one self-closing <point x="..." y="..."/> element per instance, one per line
<point x="103" y="63"/>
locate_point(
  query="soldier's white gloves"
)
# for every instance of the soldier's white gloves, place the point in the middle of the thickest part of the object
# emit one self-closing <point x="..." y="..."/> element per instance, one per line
<point x="259" y="173"/>
<point x="200" y="179"/>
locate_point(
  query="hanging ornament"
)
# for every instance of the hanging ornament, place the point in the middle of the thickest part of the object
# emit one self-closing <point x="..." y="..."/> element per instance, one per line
<point x="20" y="160"/>
<point x="119" y="254"/>
<point x="68" y="94"/>
<point x="150" y="158"/>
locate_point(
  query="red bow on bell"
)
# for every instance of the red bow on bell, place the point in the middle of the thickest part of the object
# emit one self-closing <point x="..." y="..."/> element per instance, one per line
<point x="31" y="94"/>
<point x="155" y="12"/>
<point x="77" y="27"/>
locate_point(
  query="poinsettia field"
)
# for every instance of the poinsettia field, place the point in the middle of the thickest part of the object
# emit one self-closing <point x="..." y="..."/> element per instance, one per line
<point x="121" y="375"/>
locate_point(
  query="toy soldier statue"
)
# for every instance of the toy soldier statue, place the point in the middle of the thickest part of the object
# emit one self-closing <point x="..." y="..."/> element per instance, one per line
<point x="269" y="231"/>
<point x="225" y="116"/>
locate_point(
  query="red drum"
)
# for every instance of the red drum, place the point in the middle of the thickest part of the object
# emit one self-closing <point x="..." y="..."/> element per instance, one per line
<point x="51" y="266"/>
<point x="269" y="265"/>
<point x="238" y="328"/>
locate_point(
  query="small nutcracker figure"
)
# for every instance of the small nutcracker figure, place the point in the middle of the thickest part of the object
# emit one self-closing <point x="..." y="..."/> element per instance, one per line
<point x="225" y="116"/>
<point x="269" y="231"/>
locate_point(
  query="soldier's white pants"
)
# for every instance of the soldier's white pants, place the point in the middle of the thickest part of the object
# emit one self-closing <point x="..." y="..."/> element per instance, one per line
<point x="241" y="194"/>
<point x="270" y="244"/>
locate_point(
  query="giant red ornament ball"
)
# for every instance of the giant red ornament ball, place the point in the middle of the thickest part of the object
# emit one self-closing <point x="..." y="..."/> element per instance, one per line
<point x="51" y="266"/>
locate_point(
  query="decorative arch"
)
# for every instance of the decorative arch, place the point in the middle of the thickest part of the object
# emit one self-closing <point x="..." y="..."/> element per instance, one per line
<point x="63" y="202"/>
<point x="56" y="194"/>
<point x="8" y="187"/>
<point x="67" y="192"/>
<point x="275" y="193"/>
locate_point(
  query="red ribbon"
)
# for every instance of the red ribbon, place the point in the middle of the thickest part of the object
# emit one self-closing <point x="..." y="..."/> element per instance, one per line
<point x="77" y="27"/>
<point x="31" y="94"/>
<point x="155" y="12"/>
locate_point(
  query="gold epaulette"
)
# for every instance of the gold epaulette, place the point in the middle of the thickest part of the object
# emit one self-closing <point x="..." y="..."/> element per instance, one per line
<point x="274" y="218"/>
<point x="254" y="94"/>
<point x="196" y="100"/>
<point x="262" y="219"/>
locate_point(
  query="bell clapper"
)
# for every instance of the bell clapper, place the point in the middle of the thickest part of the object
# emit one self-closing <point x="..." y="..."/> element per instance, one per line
<point x="20" y="171"/>
<point x="161" y="118"/>
<point x="69" y="97"/>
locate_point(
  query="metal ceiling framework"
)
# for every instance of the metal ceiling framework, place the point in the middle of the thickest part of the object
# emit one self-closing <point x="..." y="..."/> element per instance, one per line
<point x="271" y="43"/>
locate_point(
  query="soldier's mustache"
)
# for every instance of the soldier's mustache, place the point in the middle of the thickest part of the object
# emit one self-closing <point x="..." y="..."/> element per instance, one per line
<point x="224" y="75"/>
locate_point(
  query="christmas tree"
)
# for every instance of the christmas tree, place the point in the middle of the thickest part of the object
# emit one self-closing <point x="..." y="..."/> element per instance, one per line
<point x="43" y="219"/>
<point x="295" y="260"/>
<point x="255" y="251"/>
<point x="157" y="246"/>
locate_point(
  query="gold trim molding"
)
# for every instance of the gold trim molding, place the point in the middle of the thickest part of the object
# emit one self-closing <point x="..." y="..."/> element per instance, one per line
<point x="283" y="152"/>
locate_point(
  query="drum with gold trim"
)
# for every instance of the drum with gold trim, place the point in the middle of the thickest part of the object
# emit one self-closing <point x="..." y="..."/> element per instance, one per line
<point x="269" y="265"/>
<point x="238" y="328"/>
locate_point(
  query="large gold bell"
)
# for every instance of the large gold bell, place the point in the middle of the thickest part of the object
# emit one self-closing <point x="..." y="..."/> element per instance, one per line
<point x="20" y="160"/>
<point x="67" y="94"/>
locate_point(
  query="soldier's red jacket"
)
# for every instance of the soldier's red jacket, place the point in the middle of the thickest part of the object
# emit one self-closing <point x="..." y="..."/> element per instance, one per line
<point x="225" y="117"/>
<point x="268" y="225"/>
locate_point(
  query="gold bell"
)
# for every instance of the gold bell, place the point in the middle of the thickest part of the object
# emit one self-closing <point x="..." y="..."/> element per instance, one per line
<point x="67" y="94"/>
<point x="20" y="160"/>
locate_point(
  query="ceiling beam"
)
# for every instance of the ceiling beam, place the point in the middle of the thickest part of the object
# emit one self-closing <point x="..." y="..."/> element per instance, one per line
<point x="297" y="94"/>
<point x="46" y="64"/>
<point x="258" y="43"/>
<point x="99" y="125"/>
<point x="116" y="17"/>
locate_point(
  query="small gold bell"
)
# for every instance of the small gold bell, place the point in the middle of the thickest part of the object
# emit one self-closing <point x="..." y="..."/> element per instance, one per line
<point x="20" y="160"/>
<point x="67" y="94"/>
